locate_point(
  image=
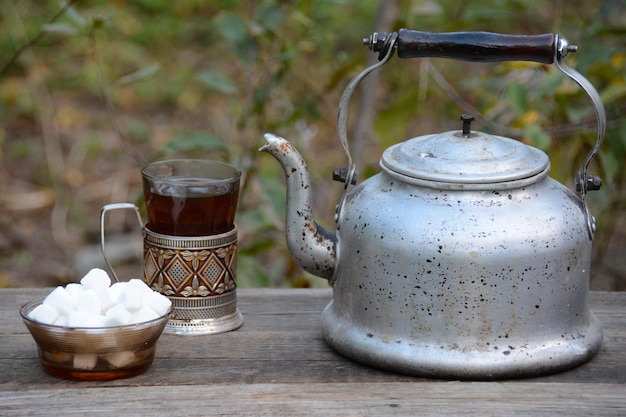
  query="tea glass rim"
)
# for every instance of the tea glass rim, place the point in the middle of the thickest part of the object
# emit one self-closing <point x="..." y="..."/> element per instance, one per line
<point x="181" y="180"/>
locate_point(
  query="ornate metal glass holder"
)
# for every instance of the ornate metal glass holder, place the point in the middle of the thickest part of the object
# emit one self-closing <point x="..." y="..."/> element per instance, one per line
<point x="198" y="274"/>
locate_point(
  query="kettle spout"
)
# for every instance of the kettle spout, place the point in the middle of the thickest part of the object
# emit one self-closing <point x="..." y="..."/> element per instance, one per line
<point x="313" y="248"/>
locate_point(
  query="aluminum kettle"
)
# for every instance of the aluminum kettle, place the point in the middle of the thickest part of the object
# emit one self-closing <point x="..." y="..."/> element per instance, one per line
<point x="462" y="258"/>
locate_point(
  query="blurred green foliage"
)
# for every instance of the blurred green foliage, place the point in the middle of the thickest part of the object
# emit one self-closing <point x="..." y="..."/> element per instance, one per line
<point x="150" y="79"/>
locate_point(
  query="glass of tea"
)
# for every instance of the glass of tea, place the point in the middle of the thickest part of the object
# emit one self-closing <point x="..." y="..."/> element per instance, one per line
<point x="190" y="242"/>
<point x="190" y="197"/>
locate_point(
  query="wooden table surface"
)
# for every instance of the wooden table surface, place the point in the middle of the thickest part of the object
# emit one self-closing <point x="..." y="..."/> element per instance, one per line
<point x="279" y="364"/>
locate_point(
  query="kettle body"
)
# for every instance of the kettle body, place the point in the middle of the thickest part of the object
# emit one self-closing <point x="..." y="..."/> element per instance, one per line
<point x="461" y="283"/>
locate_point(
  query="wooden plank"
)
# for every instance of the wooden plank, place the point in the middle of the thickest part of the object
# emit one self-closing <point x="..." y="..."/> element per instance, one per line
<point x="608" y="302"/>
<point x="293" y="300"/>
<point x="184" y="362"/>
<point x="349" y="399"/>
<point x="261" y="308"/>
<point x="300" y="359"/>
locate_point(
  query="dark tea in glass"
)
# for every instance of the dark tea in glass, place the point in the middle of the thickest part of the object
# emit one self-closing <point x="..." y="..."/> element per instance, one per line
<point x="190" y="197"/>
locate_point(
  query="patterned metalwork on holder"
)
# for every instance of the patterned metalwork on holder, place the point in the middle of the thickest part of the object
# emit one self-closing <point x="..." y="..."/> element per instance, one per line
<point x="198" y="274"/>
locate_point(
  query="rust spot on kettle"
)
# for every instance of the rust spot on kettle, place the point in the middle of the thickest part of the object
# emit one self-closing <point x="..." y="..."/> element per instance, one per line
<point x="286" y="146"/>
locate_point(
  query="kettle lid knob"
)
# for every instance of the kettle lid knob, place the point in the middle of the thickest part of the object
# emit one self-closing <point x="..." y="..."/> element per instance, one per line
<point x="467" y="121"/>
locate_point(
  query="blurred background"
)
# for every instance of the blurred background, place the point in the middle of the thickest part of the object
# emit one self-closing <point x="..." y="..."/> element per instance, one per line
<point x="90" y="90"/>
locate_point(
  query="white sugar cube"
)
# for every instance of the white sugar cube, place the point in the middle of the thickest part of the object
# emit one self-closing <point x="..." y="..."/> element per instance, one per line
<point x="82" y="319"/>
<point x="139" y="285"/>
<point x="61" y="320"/>
<point x="120" y="359"/>
<point x="117" y="315"/>
<point x="145" y="314"/>
<point x="96" y="279"/>
<point x="88" y="302"/>
<point x="76" y="319"/>
<point x="107" y="299"/>
<point x="85" y="360"/>
<point x="116" y="289"/>
<point x="131" y="298"/>
<point x="44" y="313"/>
<point x="96" y="320"/>
<point x="61" y="300"/>
<point x="157" y="302"/>
<point x="74" y="289"/>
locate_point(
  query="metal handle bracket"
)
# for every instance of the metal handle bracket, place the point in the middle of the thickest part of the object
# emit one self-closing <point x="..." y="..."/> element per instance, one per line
<point x="584" y="182"/>
<point x="105" y="209"/>
<point x="342" y="117"/>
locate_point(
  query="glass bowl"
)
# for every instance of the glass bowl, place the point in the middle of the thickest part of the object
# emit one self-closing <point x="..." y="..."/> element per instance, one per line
<point x="94" y="353"/>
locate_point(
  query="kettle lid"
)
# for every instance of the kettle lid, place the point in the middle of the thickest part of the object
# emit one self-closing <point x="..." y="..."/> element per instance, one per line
<point x="462" y="157"/>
